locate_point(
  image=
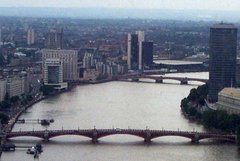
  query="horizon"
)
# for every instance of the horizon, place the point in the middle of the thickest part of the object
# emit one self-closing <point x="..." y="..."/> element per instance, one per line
<point x="121" y="13"/>
<point x="228" y="5"/>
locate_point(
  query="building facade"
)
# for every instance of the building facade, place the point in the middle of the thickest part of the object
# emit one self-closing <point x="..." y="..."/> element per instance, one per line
<point x="140" y="52"/>
<point x="68" y="58"/>
<point x="133" y="52"/>
<point x="222" y="67"/>
<point x="15" y="86"/>
<point x="54" y="39"/>
<point x="147" y="53"/>
<point x="2" y="89"/>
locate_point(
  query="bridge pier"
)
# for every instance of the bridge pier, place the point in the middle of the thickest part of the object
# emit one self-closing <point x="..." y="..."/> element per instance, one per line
<point x="147" y="138"/>
<point x="46" y="136"/>
<point x="159" y="81"/>
<point x="95" y="136"/>
<point x="135" y="79"/>
<point x="195" y="139"/>
<point x="184" y="82"/>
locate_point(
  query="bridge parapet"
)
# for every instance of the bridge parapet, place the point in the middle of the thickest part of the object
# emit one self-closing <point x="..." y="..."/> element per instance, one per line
<point x="146" y="134"/>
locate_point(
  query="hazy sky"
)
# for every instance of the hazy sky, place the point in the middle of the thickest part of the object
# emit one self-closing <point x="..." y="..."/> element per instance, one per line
<point x="161" y="4"/>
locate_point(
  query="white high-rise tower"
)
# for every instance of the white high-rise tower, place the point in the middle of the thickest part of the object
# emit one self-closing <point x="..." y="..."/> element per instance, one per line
<point x="30" y="36"/>
<point x="140" y="55"/>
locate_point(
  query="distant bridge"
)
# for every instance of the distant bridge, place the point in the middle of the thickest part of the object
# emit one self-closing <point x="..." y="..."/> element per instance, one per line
<point x="159" y="79"/>
<point x="146" y="134"/>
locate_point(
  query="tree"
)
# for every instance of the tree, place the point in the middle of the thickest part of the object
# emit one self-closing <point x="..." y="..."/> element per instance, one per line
<point x="46" y="90"/>
<point x="4" y="118"/>
<point x="2" y="60"/>
<point x="5" y="104"/>
<point x="193" y="95"/>
<point x="6" y="96"/>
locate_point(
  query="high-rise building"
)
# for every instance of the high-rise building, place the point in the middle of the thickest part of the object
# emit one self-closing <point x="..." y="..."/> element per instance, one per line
<point x="147" y="53"/>
<point x="140" y="49"/>
<point x="132" y="51"/>
<point x="30" y="36"/>
<point x="135" y="50"/>
<point x="222" y="67"/>
<point x="54" y="39"/>
<point x="68" y="59"/>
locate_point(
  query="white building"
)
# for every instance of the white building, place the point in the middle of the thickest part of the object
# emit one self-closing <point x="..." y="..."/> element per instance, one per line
<point x="30" y="36"/>
<point x="140" y="48"/>
<point x="229" y="100"/>
<point x="15" y="86"/>
<point x="2" y="89"/>
<point x="88" y="61"/>
<point x="68" y="58"/>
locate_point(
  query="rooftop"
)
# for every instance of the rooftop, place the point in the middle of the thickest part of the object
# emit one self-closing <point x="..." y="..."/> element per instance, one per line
<point x="224" y="26"/>
<point x="231" y="92"/>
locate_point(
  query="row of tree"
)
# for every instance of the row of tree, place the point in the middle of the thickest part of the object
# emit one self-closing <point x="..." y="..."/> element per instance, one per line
<point x="190" y="104"/>
<point x="218" y="119"/>
<point x="9" y="102"/>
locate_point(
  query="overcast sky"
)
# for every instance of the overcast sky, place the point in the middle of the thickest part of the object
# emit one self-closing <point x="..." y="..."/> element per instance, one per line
<point x="161" y="4"/>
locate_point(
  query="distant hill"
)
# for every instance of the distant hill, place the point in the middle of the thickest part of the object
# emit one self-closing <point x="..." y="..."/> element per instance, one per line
<point x="121" y="13"/>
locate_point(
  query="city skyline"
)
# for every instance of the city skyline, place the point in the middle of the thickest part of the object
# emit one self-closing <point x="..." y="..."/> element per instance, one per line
<point x="230" y="5"/>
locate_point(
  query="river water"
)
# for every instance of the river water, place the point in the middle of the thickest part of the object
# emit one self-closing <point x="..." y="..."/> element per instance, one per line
<point x="120" y="105"/>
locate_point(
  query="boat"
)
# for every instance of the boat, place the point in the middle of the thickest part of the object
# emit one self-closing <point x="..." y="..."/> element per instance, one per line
<point x="31" y="150"/>
<point x="45" y="122"/>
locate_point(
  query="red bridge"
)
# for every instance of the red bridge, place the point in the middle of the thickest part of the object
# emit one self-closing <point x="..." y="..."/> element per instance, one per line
<point x="147" y="135"/>
<point x="159" y="79"/>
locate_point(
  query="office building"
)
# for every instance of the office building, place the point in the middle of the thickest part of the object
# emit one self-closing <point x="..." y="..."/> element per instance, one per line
<point x="147" y="53"/>
<point x="53" y="73"/>
<point x="30" y="36"/>
<point x="140" y="52"/>
<point x="222" y="67"/>
<point x="68" y="59"/>
<point x="54" y="39"/>
<point x="133" y="51"/>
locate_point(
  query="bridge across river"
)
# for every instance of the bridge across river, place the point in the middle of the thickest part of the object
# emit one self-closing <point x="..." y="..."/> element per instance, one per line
<point x="159" y="79"/>
<point x="146" y="134"/>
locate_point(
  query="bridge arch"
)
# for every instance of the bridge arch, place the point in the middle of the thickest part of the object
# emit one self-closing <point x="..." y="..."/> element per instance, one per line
<point x="28" y="136"/>
<point x="169" y="135"/>
<point x="115" y="134"/>
<point x="217" y="139"/>
<point x="59" y="135"/>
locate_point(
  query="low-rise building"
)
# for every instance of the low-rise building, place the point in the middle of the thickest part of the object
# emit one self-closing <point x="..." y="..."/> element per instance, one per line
<point x="15" y="86"/>
<point x="229" y="100"/>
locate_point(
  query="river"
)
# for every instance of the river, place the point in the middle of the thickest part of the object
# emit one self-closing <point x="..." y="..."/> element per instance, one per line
<point x="120" y="105"/>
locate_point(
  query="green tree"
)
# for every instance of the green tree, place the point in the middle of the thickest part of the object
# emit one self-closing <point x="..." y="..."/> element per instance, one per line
<point x="5" y="104"/>
<point x="193" y="96"/>
<point x="2" y="60"/>
<point x="46" y="90"/>
<point x="4" y="118"/>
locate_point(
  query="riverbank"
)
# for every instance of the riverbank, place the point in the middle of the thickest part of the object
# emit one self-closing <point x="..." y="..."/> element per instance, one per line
<point x="19" y="111"/>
